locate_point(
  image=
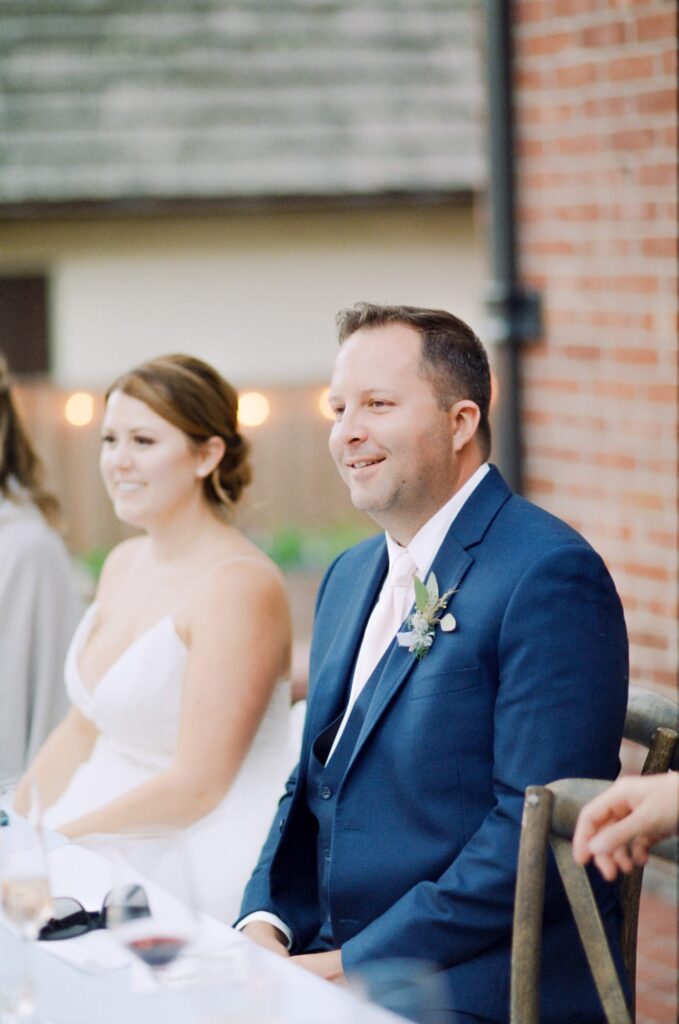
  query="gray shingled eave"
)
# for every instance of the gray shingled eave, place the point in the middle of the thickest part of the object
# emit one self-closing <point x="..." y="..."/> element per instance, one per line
<point x="180" y="206"/>
<point x="224" y="101"/>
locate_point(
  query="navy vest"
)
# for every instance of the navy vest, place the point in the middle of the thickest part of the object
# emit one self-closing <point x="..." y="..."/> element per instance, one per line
<point x="323" y="781"/>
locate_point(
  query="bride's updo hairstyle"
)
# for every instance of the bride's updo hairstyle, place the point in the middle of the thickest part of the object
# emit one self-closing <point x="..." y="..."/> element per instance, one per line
<point x="192" y="396"/>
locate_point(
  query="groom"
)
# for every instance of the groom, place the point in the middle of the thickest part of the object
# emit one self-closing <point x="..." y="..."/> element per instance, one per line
<point x="398" y="833"/>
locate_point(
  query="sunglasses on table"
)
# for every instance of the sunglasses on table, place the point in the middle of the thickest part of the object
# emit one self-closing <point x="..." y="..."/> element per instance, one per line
<point x="69" y="918"/>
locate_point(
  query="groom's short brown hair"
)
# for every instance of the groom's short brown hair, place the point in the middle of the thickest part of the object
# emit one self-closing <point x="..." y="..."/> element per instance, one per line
<point x="453" y="359"/>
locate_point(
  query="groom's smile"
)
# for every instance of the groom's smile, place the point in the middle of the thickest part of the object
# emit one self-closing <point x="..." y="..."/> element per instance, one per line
<point x="363" y="463"/>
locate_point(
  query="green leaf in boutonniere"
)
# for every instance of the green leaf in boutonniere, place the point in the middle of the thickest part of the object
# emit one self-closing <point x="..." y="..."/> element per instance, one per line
<point x="421" y="595"/>
<point x="424" y="619"/>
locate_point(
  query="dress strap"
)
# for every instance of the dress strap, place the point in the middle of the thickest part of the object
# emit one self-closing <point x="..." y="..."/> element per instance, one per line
<point x="203" y="576"/>
<point x="266" y="564"/>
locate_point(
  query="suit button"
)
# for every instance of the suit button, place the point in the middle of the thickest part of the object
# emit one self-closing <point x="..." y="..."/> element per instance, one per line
<point x="326" y="792"/>
<point x="326" y="855"/>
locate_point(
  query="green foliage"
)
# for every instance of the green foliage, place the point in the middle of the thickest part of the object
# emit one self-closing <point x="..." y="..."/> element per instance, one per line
<point x="285" y="547"/>
<point x="293" y="547"/>
<point x="289" y="546"/>
<point x="93" y="561"/>
<point x="421" y="595"/>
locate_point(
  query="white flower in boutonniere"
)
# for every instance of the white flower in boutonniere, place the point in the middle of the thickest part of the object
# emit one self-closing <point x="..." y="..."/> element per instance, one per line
<point x="424" y="620"/>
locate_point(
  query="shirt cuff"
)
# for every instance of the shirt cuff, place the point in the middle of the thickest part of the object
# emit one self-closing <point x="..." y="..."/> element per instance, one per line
<point x="264" y="915"/>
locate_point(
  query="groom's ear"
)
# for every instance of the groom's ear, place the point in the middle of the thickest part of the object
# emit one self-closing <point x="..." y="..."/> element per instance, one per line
<point x="210" y="454"/>
<point x="465" y="417"/>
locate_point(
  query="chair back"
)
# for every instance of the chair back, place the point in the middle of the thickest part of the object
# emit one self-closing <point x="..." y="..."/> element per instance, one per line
<point x="549" y="818"/>
<point x="652" y="721"/>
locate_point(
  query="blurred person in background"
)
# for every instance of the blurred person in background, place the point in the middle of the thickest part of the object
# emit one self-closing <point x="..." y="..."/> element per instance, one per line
<point x="178" y="673"/>
<point x="39" y="600"/>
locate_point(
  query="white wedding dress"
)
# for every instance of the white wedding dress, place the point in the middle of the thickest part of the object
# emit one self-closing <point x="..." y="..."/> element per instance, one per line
<point x="136" y="708"/>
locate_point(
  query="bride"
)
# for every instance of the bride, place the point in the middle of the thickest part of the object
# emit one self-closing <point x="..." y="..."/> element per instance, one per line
<point x="179" y="711"/>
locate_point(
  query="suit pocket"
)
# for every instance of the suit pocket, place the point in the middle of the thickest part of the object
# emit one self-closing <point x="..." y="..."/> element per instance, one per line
<point x="437" y="683"/>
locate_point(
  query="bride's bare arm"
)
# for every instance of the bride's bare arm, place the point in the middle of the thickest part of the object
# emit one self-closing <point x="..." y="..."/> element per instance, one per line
<point x="239" y="647"/>
<point x="66" y="747"/>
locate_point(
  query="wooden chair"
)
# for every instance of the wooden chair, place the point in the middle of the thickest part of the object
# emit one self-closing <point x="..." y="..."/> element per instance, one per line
<point x="550" y="814"/>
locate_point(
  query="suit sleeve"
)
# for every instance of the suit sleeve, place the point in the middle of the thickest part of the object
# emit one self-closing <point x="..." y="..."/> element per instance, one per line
<point x="257" y="894"/>
<point x="559" y="712"/>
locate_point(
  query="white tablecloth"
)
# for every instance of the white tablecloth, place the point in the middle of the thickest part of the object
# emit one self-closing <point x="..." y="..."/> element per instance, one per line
<point x="91" y="979"/>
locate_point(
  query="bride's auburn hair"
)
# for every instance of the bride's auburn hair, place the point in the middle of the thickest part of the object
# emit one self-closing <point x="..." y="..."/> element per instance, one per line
<point x="192" y="396"/>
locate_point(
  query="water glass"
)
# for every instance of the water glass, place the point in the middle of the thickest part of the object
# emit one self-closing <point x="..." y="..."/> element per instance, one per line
<point x="414" y="989"/>
<point x="24" y="892"/>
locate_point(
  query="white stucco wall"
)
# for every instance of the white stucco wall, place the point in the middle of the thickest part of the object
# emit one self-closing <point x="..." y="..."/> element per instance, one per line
<point x="255" y="294"/>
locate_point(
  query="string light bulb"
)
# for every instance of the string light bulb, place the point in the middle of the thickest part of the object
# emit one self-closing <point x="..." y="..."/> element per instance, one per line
<point x="324" y="404"/>
<point x="253" y="409"/>
<point x="79" y="409"/>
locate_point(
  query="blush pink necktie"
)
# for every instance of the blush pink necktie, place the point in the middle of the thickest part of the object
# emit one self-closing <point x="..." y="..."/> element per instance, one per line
<point x="401" y="580"/>
<point x="386" y="617"/>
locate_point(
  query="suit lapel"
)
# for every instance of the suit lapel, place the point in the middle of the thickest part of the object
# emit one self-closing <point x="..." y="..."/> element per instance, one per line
<point x="479" y="511"/>
<point x="335" y="673"/>
<point x="450" y="565"/>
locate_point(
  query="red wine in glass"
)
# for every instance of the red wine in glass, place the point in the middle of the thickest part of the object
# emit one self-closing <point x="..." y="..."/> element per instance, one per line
<point x="157" y="950"/>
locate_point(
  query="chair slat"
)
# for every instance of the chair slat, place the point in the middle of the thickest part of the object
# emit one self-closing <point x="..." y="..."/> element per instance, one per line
<point x="551" y="813"/>
<point x="592" y="934"/>
<point x="528" y="906"/>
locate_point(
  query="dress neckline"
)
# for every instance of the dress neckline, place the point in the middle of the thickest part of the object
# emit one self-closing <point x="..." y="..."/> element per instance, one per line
<point x="86" y="626"/>
<point x="87" y="623"/>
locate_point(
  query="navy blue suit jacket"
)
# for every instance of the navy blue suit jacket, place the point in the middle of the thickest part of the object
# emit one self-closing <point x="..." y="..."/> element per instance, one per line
<point x="530" y="687"/>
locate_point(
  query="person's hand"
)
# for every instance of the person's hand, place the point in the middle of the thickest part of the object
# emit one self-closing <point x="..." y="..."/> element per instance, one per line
<point x="618" y="827"/>
<point x="268" y="936"/>
<point x="325" y="965"/>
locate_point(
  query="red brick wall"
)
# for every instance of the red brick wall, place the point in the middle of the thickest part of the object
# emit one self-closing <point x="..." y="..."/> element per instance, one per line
<point x="596" y="103"/>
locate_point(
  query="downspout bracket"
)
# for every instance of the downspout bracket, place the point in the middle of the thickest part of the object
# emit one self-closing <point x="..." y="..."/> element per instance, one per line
<point x="514" y="315"/>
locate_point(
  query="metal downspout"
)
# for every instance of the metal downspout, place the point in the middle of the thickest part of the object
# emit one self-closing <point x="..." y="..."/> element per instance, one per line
<point x="514" y="312"/>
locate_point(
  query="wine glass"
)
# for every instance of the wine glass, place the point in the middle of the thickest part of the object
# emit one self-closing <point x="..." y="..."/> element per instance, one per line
<point x="155" y="924"/>
<point x="24" y="885"/>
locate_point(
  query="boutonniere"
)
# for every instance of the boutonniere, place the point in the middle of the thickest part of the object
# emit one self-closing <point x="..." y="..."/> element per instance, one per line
<point x="424" y="620"/>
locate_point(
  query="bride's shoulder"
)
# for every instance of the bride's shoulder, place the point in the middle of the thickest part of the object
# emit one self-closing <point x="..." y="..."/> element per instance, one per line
<point x="244" y="576"/>
<point x="242" y="592"/>
<point x="250" y="568"/>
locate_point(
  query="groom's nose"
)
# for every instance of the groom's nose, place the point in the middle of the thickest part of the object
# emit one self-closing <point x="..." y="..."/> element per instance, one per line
<point x="351" y="428"/>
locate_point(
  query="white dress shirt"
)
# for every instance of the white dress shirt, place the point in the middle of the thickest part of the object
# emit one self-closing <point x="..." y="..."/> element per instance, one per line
<point x="422" y="550"/>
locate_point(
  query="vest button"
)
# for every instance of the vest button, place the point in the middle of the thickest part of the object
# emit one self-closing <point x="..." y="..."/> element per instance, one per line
<point x="326" y="792"/>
